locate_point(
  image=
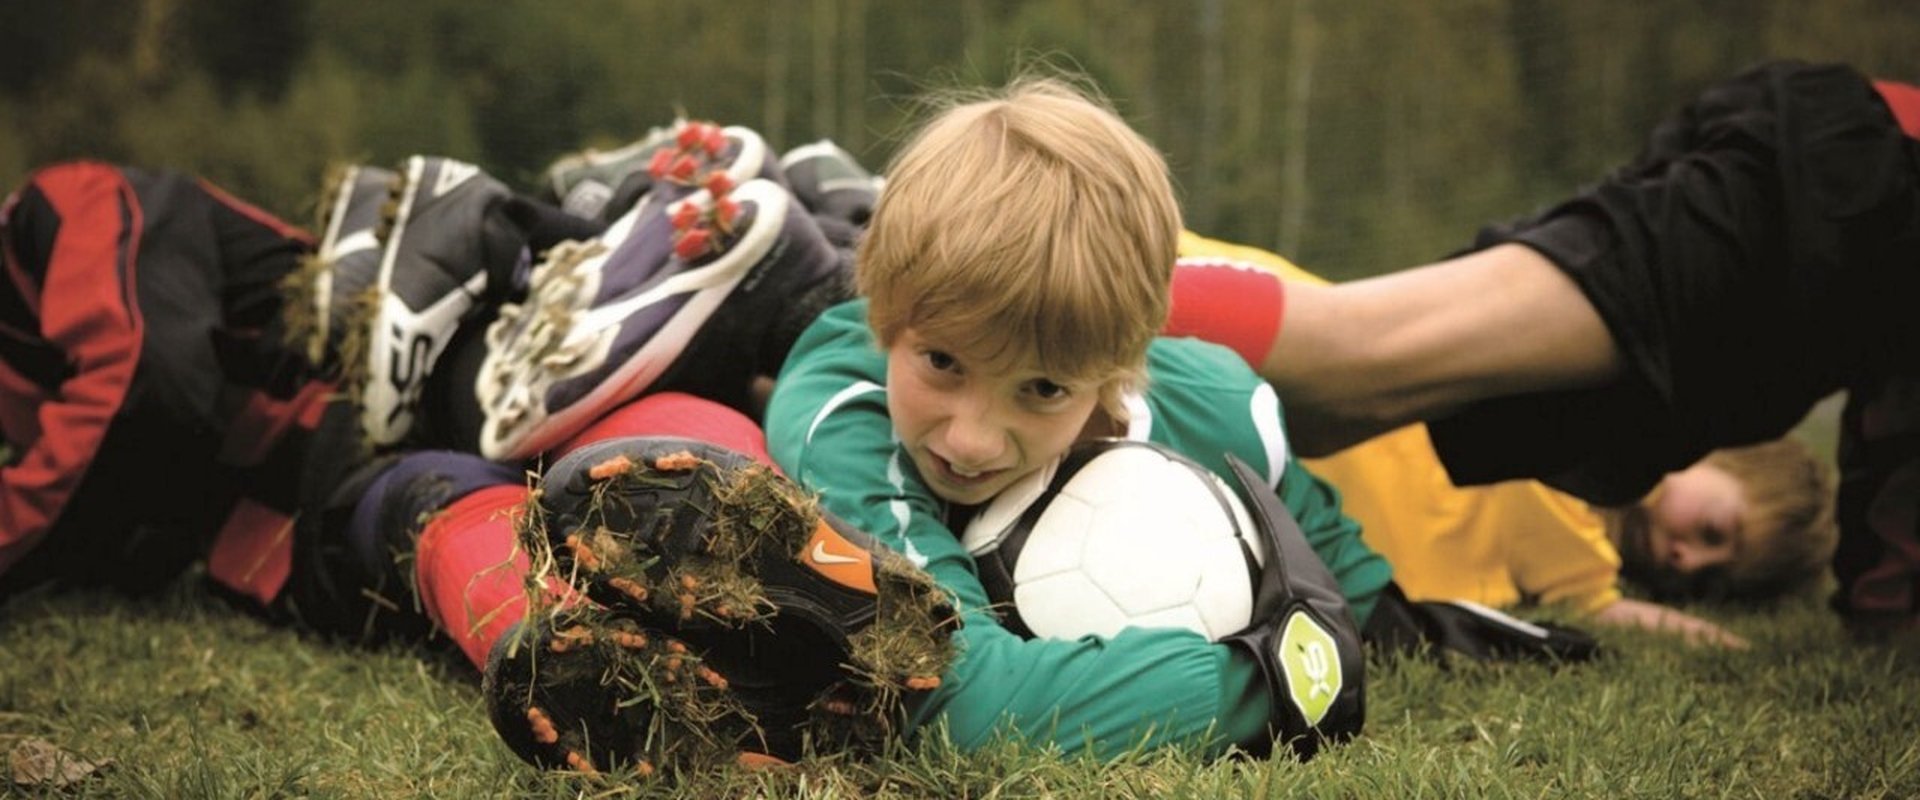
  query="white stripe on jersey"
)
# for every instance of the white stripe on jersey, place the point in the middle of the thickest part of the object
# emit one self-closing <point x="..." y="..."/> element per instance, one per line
<point x="902" y="513"/>
<point x="1265" y="409"/>
<point x="840" y="398"/>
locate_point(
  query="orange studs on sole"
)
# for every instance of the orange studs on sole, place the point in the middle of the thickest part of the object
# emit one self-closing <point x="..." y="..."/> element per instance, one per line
<point x="582" y="554"/>
<point x="676" y="462"/>
<point x="683" y="169"/>
<point x="542" y="726"/>
<point x="761" y="761"/>
<point x="921" y="683"/>
<point x="714" y="142"/>
<point x="662" y="160"/>
<point x="612" y="467"/>
<point x="581" y="764"/>
<point x="570" y="638"/>
<point x="629" y="587"/>
<point x="693" y="244"/>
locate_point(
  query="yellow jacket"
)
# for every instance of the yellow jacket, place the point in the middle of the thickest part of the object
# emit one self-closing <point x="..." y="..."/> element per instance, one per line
<point x="1500" y="545"/>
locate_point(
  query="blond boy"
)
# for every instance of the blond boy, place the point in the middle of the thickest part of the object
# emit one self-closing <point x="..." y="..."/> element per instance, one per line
<point x="1016" y="272"/>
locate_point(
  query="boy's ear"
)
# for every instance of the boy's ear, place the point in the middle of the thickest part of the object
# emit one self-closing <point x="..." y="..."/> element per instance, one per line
<point x="1113" y="403"/>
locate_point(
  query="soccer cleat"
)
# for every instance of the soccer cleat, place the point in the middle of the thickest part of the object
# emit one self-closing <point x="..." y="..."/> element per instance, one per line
<point x="589" y="690"/>
<point x="726" y="618"/>
<point x="444" y="249"/>
<point x="830" y="182"/>
<point x="327" y="297"/>
<point x="665" y="165"/>
<point x="685" y="296"/>
<point x="584" y="183"/>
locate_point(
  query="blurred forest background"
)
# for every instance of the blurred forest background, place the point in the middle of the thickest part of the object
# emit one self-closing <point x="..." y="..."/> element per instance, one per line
<point x="1352" y="135"/>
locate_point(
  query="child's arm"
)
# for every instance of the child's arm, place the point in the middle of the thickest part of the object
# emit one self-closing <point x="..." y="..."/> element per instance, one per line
<point x="1630" y="613"/>
<point x="1363" y="358"/>
<point x="827" y="426"/>
<point x="1150" y="687"/>
<point x="1335" y="537"/>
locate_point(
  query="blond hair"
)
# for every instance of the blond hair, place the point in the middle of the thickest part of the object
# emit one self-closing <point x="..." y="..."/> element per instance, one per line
<point x="1031" y="221"/>
<point x="1788" y="534"/>
<point x="1786" y="537"/>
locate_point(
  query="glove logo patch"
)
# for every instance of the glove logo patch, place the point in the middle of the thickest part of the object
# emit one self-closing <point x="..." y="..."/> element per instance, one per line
<point x="1307" y="654"/>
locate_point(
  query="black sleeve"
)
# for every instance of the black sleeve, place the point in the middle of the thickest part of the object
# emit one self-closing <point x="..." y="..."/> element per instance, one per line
<point x="1753" y="259"/>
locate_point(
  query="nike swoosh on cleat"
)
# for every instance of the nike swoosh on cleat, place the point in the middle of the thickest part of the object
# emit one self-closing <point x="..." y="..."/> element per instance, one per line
<point x="819" y="555"/>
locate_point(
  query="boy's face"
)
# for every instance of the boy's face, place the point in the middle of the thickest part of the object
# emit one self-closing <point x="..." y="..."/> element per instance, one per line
<point x="1695" y="520"/>
<point x="974" y="426"/>
<point x="1693" y="525"/>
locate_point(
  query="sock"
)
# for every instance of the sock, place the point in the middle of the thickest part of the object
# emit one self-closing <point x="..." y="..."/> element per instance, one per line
<point x="676" y="414"/>
<point x="460" y="557"/>
<point x="410" y="489"/>
<point x="468" y="573"/>
<point x="1227" y="302"/>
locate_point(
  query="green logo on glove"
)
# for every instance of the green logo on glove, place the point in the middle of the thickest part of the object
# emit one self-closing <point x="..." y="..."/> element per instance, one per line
<point x="1312" y="663"/>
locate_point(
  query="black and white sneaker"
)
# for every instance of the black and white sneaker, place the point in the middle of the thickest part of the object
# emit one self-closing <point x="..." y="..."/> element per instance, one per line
<point x="327" y="297"/>
<point x="831" y="183"/>
<point x="447" y="248"/>
<point x="583" y="183"/>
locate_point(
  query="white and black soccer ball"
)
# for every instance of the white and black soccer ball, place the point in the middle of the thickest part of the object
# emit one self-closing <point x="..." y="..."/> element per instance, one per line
<point x="1118" y="534"/>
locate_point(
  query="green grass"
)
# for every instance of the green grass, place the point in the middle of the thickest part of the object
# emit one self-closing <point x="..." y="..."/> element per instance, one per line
<point x="191" y="698"/>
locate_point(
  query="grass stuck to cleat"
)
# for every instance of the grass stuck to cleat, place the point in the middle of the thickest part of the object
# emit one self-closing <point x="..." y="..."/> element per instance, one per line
<point x="587" y="690"/>
<point x="724" y="615"/>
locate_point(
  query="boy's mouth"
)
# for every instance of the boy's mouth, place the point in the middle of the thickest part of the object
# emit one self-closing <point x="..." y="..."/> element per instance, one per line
<point x="955" y="476"/>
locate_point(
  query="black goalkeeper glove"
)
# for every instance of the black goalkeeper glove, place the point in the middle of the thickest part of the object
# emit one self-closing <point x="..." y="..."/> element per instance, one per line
<point x="1303" y="635"/>
<point x="1399" y="625"/>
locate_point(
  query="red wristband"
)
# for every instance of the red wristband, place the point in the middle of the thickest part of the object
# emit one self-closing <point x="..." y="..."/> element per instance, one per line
<point x="1227" y="302"/>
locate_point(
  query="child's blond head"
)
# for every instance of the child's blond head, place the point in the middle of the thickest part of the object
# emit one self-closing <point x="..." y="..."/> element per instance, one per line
<point x="1027" y="222"/>
<point x="1788" y="533"/>
<point x="1781" y="544"/>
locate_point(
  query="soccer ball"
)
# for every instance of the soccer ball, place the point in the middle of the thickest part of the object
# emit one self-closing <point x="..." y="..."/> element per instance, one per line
<point x="1118" y="534"/>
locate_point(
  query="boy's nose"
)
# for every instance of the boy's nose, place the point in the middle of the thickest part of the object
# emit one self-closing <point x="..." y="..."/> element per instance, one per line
<point x="1683" y="557"/>
<point x="973" y="440"/>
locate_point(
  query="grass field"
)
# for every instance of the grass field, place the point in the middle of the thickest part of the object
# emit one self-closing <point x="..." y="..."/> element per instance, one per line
<point x="190" y="698"/>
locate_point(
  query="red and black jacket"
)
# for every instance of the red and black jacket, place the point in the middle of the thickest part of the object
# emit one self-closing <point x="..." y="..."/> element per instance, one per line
<point x="144" y="390"/>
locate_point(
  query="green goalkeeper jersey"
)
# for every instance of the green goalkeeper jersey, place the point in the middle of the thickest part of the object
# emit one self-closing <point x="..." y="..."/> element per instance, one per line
<point x="827" y="426"/>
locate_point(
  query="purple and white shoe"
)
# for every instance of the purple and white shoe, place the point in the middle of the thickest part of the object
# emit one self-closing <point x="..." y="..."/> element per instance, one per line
<point x="680" y="297"/>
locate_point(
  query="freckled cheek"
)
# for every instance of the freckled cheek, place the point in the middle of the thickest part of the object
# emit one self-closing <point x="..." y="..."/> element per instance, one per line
<point x="1671" y="515"/>
<point x="904" y="412"/>
<point x="1045" y="439"/>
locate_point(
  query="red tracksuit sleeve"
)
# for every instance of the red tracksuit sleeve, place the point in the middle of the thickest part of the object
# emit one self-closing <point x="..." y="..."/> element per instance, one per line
<point x="82" y="288"/>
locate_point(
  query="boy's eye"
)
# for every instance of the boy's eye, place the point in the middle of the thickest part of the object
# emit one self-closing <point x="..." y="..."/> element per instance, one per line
<point x="941" y="361"/>
<point x="1047" y="390"/>
<point x="1713" y="537"/>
